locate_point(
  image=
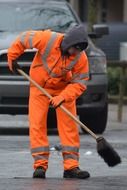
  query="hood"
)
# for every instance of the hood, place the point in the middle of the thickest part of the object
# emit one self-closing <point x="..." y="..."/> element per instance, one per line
<point x="6" y="39"/>
<point x="74" y="36"/>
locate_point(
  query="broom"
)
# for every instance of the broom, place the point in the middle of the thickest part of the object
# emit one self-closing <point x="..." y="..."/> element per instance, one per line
<point x="104" y="149"/>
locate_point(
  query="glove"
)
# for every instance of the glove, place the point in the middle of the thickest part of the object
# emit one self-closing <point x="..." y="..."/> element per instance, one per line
<point x="14" y="66"/>
<point x="57" y="101"/>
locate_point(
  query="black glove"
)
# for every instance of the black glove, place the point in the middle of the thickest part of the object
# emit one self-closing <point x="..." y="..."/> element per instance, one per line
<point x="15" y="66"/>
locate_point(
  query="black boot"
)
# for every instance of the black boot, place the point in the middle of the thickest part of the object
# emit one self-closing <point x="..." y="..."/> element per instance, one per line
<point x="76" y="173"/>
<point x="39" y="172"/>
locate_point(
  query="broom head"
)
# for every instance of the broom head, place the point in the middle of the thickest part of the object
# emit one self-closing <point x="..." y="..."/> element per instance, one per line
<point x="106" y="151"/>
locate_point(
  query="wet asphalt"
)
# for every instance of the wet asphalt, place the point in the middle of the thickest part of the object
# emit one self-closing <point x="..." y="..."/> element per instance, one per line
<point x="16" y="161"/>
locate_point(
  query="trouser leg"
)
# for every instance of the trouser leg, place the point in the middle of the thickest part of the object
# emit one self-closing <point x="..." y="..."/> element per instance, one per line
<point x="69" y="136"/>
<point x="38" y="109"/>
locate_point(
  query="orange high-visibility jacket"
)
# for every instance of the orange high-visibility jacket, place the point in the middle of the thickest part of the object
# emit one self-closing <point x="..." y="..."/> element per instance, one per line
<point x="50" y="68"/>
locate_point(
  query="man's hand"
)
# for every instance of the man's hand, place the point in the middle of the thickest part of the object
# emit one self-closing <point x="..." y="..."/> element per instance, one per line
<point x="57" y="101"/>
<point x="14" y="66"/>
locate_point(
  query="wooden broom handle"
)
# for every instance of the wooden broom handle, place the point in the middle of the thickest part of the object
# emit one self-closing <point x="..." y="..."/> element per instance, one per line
<point x="61" y="106"/>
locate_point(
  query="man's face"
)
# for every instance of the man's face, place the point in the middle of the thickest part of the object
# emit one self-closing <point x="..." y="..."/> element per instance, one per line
<point x="73" y="51"/>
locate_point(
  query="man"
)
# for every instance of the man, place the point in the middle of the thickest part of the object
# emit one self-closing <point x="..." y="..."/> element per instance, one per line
<point x="61" y="67"/>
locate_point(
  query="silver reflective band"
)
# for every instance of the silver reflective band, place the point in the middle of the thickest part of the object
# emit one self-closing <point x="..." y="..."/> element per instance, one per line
<point x="70" y="156"/>
<point x="31" y="39"/>
<point x="22" y="38"/>
<point x="70" y="149"/>
<point x="40" y="149"/>
<point x="72" y="64"/>
<point x="80" y="76"/>
<point x="46" y="53"/>
<point x="82" y="82"/>
<point x="41" y="157"/>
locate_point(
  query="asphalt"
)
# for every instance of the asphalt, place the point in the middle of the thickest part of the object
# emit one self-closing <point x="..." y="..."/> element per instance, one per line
<point x="16" y="165"/>
<point x="16" y="162"/>
<point x="97" y="183"/>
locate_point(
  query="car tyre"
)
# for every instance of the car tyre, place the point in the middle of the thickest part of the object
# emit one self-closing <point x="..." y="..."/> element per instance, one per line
<point x="97" y="121"/>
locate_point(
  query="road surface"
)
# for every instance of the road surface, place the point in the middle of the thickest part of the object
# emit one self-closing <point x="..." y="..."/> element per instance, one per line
<point x="16" y="162"/>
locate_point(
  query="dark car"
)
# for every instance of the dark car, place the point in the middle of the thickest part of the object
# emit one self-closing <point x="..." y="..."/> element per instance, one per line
<point x="17" y="16"/>
<point x="111" y="44"/>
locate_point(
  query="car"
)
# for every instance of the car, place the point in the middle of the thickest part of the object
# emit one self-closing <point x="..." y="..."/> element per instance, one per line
<point x="111" y="44"/>
<point x="17" y="16"/>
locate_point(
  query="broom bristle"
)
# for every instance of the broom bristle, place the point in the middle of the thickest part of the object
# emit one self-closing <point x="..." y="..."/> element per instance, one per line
<point x="106" y="151"/>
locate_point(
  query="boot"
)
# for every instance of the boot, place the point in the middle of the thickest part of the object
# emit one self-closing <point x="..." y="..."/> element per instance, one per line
<point x="39" y="172"/>
<point x="76" y="173"/>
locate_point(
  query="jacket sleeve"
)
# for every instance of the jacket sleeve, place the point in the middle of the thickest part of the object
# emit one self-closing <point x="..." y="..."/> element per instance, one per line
<point x="27" y="40"/>
<point x="77" y="85"/>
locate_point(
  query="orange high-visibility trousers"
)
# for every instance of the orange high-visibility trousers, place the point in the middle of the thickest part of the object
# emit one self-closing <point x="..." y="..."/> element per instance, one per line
<point x="67" y="128"/>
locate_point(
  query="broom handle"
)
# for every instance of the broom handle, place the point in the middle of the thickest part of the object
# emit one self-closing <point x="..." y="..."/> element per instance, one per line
<point x="61" y="106"/>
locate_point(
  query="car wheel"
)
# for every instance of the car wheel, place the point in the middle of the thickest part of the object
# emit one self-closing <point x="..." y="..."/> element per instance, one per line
<point x="97" y="121"/>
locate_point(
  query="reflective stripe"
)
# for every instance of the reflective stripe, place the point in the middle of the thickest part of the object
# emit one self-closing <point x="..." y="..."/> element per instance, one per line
<point x="72" y="64"/>
<point x="46" y="53"/>
<point x="68" y="68"/>
<point x="70" y="149"/>
<point x="40" y="149"/>
<point x="22" y="38"/>
<point x="82" y="82"/>
<point x="70" y="156"/>
<point x="31" y="39"/>
<point x="80" y="76"/>
<point x="41" y="157"/>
